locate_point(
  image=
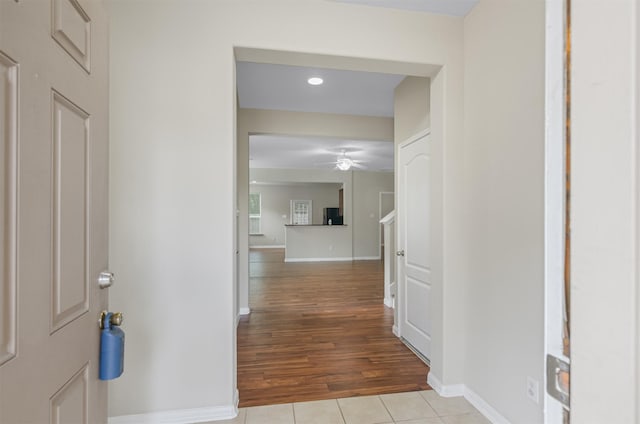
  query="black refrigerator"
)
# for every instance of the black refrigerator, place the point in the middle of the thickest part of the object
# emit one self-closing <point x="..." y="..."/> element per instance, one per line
<point x="332" y="214"/>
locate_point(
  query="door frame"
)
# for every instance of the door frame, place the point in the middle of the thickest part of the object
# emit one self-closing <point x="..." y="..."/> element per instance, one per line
<point x="554" y="193"/>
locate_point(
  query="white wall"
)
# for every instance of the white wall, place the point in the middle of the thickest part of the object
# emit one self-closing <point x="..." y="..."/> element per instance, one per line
<point x="173" y="163"/>
<point x="367" y="186"/>
<point x="604" y="219"/>
<point x="504" y="141"/>
<point x="276" y="207"/>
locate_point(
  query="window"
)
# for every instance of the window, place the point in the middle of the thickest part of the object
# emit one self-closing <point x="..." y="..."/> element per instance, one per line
<point x="255" y="213"/>
<point x="301" y="212"/>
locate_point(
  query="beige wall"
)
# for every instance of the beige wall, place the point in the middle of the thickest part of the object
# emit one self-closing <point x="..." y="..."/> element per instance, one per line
<point x="361" y="200"/>
<point x="504" y="139"/>
<point x="173" y="204"/>
<point x="366" y="209"/>
<point x="173" y="167"/>
<point x="605" y="220"/>
<point x="318" y="243"/>
<point x="276" y="207"/>
<point x="412" y="108"/>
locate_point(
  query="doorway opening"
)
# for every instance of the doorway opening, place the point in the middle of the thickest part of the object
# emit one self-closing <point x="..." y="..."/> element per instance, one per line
<point x="309" y="301"/>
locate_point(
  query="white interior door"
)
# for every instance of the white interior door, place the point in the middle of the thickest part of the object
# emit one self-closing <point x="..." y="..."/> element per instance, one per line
<point x="413" y="214"/>
<point x="53" y="231"/>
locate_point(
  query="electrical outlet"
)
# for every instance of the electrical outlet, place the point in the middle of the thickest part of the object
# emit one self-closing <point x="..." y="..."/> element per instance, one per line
<point x="533" y="390"/>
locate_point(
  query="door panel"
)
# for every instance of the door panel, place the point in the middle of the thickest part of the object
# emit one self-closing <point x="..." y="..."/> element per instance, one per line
<point x="70" y="147"/>
<point x="414" y="244"/>
<point x="72" y="30"/>
<point x="8" y="205"/>
<point x="71" y="403"/>
<point x="60" y="228"/>
<point x="418" y="300"/>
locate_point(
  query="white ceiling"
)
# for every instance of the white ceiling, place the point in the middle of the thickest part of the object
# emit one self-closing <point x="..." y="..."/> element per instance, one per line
<point x="283" y="87"/>
<point x="269" y="151"/>
<point x="444" y="7"/>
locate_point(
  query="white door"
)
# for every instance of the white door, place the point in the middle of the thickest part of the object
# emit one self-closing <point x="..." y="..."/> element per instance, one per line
<point x="413" y="214"/>
<point x="53" y="226"/>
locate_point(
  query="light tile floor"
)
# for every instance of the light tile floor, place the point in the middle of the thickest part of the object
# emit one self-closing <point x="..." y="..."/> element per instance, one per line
<point x="425" y="407"/>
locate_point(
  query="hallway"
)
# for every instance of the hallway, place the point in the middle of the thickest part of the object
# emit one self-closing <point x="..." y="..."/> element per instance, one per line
<point x="319" y="331"/>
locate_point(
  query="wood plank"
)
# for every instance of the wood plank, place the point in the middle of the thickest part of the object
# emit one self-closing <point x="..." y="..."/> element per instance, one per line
<point x="319" y="331"/>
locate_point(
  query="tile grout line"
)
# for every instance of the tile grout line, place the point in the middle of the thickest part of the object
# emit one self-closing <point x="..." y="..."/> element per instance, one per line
<point x="386" y="408"/>
<point x="344" y="420"/>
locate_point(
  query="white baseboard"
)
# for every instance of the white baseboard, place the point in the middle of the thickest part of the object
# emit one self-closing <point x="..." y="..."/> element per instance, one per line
<point x="343" y="259"/>
<point x="367" y="258"/>
<point x="241" y="312"/>
<point x="180" y="416"/>
<point x="474" y="399"/>
<point x="450" y="390"/>
<point x="388" y="302"/>
<point x="267" y="246"/>
<point x="485" y="409"/>
<point x="396" y="333"/>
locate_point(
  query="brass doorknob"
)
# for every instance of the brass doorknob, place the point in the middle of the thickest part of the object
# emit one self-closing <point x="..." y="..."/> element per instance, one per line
<point x="116" y="319"/>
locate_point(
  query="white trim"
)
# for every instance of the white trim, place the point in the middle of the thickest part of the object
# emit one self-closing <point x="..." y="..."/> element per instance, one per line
<point x="244" y="311"/>
<point x="636" y="138"/>
<point x="343" y="259"/>
<point x="180" y="416"/>
<point x="554" y="207"/>
<point x="450" y="390"/>
<point x="388" y="302"/>
<point x="382" y="218"/>
<point x="388" y="218"/>
<point x="453" y="390"/>
<point x="415" y="137"/>
<point x="367" y="258"/>
<point x="635" y="130"/>
<point x="485" y="409"/>
<point x="395" y="331"/>
<point x="267" y="246"/>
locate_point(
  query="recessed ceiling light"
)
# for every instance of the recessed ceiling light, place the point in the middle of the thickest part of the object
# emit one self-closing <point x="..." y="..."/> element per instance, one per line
<point x="315" y="81"/>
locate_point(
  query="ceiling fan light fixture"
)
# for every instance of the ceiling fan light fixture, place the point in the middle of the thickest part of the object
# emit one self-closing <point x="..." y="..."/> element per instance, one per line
<point x="344" y="164"/>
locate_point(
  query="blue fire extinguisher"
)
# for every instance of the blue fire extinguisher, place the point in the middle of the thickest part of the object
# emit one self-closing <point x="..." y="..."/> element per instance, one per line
<point x="111" y="346"/>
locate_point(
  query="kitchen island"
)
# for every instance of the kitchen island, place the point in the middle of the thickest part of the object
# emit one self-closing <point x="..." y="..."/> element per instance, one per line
<point x="315" y="243"/>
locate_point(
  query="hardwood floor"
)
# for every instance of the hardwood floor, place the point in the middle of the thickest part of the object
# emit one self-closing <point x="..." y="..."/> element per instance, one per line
<point x="319" y="331"/>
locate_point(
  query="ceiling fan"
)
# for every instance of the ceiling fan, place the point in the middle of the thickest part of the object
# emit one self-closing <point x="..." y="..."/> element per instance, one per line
<point x="344" y="162"/>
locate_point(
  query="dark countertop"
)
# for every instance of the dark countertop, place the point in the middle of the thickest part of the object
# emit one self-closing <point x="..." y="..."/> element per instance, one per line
<point x="315" y="225"/>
